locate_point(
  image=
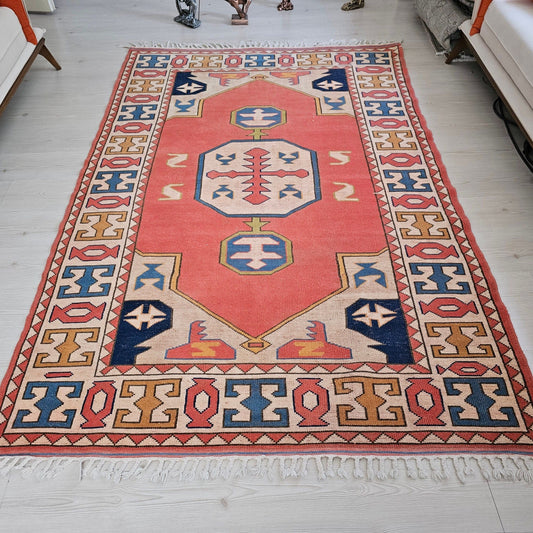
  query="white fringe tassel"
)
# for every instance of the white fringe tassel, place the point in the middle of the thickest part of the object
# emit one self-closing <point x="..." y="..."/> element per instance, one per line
<point x="256" y="44"/>
<point x="323" y="467"/>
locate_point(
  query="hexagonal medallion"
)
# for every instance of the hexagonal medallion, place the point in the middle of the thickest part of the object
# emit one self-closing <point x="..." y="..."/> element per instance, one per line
<point x="262" y="117"/>
<point x="263" y="252"/>
<point x="271" y="178"/>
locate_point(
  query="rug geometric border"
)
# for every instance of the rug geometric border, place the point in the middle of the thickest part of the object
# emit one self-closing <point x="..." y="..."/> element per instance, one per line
<point x="467" y="389"/>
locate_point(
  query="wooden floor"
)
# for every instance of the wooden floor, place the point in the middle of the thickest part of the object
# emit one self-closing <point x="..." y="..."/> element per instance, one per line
<point x="45" y="135"/>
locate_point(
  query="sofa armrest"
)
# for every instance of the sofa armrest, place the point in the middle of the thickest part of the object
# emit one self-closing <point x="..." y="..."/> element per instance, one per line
<point x="502" y="82"/>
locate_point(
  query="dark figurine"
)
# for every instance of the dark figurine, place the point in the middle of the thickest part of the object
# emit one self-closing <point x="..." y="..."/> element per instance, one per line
<point x="353" y="4"/>
<point x="188" y="13"/>
<point x="285" y="5"/>
<point x="241" y="6"/>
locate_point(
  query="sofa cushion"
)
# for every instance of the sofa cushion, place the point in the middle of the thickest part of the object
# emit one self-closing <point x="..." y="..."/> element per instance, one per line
<point x="12" y="41"/>
<point x="507" y="30"/>
<point x="20" y="10"/>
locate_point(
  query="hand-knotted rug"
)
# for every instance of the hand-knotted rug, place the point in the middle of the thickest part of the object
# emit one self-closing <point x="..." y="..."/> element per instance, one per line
<point x="264" y="258"/>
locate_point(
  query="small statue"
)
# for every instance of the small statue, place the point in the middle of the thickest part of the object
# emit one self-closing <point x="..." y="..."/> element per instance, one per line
<point x="285" y="5"/>
<point x="241" y="6"/>
<point x="188" y="12"/>
<point x="353" y="4"/>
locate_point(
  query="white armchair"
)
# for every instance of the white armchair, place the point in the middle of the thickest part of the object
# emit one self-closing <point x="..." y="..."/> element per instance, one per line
<point x="20" y="44"/>
<point x="500" y="33"/>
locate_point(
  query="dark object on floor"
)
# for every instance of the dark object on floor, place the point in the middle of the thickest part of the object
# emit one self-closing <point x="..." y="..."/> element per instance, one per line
<point x="285" y="5"/>
<point x="353" y="4"/>
<point x="521" y="144"/>
<point x="442" y="18"/>
<point x="188" y="13"/>
<point x="241" y="6"/>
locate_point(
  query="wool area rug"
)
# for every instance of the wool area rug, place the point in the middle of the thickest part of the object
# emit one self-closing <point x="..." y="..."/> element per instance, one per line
<point x="264" y="258"/>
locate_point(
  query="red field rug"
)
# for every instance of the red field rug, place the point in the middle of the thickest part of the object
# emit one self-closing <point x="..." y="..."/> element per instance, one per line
<point x="264" y="258"/>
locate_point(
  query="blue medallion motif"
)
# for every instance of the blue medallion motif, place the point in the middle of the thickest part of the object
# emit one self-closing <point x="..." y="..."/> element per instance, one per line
<point x="256" y="252"/>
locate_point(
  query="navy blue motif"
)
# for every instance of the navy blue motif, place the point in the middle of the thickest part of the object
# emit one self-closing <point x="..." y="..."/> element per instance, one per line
<point x="187" y="84"/>
<point x="382" y="321"/>
<point x="333" y="81"/>
<point x="140" y="321"/>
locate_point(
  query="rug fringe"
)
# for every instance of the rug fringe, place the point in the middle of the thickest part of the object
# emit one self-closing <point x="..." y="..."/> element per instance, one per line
<point x="322" y="467"/>
<point x="257" y="44"/>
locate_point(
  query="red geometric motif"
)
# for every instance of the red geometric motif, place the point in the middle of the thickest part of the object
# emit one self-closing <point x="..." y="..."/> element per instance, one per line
<point x="277" y="297"/>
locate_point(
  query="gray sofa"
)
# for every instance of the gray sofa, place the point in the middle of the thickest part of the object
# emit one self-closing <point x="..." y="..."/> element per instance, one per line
<point x="443" y="18"/>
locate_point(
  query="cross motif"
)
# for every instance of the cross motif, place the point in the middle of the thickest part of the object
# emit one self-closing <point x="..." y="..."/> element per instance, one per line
<point x="258" y="176"/>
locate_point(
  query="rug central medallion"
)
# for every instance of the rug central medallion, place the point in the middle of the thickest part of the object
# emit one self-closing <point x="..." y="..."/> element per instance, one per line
<point x="267" y="185"/>
<point x="261" y="178"/>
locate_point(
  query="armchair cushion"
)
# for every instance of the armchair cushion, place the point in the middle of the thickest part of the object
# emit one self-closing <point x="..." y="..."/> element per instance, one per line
<point x="507" y="31"/>
<point x="12" y="41"/>
<point x="15" y="50"/>
<point x="20" y="10"/>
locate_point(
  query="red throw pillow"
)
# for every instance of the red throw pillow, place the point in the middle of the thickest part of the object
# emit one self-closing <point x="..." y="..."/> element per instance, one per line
<point x="476" y="27"/>
<point x="20" y="10"/>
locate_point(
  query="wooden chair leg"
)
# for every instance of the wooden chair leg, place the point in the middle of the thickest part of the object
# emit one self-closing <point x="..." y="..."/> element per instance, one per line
<point x="460" y="46"/>
<point x="49" y="57"/>
<point x="40" y="49"/>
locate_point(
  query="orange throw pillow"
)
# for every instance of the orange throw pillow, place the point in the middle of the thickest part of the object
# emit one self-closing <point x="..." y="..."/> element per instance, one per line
<point x="476" y="27"/>
<point x="18" y="7"/>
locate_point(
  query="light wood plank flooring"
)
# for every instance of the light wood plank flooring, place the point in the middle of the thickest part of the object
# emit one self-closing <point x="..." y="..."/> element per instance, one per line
<point x="45" y="135"/>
